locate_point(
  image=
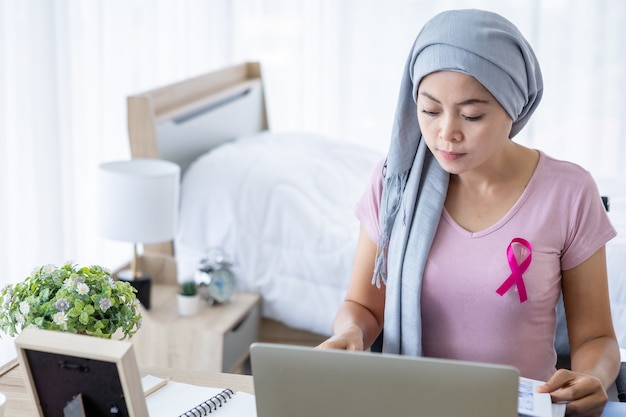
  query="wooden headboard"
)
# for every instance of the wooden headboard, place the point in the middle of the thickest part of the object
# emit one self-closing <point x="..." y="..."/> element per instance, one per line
<point x="181" y="121"/>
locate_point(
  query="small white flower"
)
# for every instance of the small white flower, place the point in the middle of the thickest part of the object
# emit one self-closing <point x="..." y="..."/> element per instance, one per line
<point x="60" y="318"/>
<point x="24" y="307"/>
<point x="48" y="268"/>
<point x="20" y="318"/>
<point x="82" y="288"/>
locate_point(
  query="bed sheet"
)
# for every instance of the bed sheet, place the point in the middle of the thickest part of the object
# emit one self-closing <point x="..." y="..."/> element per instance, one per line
<point x="280" y="207"/>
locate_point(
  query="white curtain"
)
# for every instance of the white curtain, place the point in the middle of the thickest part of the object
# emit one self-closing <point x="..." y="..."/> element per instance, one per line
<point x="66" y="67"/>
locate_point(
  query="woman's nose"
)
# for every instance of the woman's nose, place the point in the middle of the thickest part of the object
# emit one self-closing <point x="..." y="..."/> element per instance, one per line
<point x="449" y="129"/>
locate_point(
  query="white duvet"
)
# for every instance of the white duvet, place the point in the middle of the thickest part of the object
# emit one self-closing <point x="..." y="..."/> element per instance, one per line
<point x="280" y="206"/>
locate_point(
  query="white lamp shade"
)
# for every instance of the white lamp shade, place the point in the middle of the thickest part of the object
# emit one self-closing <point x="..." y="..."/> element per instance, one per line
<point x="139" y="200"/>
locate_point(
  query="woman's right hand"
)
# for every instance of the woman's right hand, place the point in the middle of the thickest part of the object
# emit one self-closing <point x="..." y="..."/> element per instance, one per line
<point x="351" y="339"/>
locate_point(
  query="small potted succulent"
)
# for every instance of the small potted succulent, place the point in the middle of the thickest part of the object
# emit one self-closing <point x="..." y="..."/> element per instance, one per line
<point x="83" y="300"/>
<point x="188" y="299"/>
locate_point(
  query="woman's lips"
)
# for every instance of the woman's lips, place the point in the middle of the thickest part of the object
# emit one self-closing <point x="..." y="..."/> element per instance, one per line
<point x="450" y="156"/>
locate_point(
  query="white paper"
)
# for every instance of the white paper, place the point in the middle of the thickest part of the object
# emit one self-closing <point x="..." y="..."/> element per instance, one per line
<point x="176" y="398"/>
<point x="531" y="403"/>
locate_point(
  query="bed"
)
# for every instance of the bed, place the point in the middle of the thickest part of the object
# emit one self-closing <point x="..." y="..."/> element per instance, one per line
<point x="278" y="205"/>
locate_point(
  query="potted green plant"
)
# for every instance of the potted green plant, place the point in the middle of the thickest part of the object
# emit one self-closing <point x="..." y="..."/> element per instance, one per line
<point x="69" y="298"/>
<point x="188" y="299"/>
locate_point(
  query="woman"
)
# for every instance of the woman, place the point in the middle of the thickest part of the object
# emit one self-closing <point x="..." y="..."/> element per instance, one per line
<point x="471" y="237"/>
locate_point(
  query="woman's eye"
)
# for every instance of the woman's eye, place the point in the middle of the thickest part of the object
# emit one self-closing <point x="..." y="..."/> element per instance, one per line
<point x="429" y="113"/>
<point x="472" y="118"/>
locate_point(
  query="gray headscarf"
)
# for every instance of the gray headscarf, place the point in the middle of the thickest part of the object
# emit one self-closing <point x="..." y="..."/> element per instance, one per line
<point x="492" y="50"/>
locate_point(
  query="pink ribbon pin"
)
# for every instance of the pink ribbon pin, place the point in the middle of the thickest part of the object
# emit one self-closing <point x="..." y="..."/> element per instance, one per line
<point x="517" y="270"/>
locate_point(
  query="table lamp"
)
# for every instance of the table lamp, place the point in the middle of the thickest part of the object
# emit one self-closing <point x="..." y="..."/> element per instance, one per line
<point x="139" y="204"/>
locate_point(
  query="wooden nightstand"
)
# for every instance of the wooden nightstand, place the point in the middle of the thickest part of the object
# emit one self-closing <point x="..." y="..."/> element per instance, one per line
<point x="217" y="339"/>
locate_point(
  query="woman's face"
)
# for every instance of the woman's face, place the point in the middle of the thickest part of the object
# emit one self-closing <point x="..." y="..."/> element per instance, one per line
<point x="463" y="125"/>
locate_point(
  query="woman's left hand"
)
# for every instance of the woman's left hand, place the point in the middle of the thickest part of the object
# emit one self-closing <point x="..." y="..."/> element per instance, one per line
<point x="584" y="394"/>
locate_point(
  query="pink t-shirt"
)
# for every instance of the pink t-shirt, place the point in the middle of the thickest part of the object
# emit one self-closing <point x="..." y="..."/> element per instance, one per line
<point x="560" y="214"/>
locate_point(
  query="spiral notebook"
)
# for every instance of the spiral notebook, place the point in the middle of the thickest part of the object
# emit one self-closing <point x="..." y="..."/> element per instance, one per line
<point x="177" y="399"/>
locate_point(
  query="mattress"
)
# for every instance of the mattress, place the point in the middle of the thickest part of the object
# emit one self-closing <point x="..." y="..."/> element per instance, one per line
<point x="279" y="206"/>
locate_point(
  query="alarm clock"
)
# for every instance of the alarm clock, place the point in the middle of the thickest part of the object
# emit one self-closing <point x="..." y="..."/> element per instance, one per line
<point x="215" y="280"/>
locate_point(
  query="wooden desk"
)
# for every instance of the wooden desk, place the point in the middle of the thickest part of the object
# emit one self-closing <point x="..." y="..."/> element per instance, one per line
<point x="19" y="403"/>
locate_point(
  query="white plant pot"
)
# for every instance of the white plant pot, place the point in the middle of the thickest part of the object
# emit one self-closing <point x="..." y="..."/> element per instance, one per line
<point x="188" y="305"/>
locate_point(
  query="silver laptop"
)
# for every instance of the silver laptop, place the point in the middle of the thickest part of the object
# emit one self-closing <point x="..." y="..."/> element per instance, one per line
<point x="296" y="381"/>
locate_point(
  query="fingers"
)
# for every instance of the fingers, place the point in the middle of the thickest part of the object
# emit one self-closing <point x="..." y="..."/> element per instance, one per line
<point x="331" y="344"/>
<point x="342" y="343"/>
<point x="584" y="408"/>
<point x="583" y="393"/>
<point x="560" y="380"/>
